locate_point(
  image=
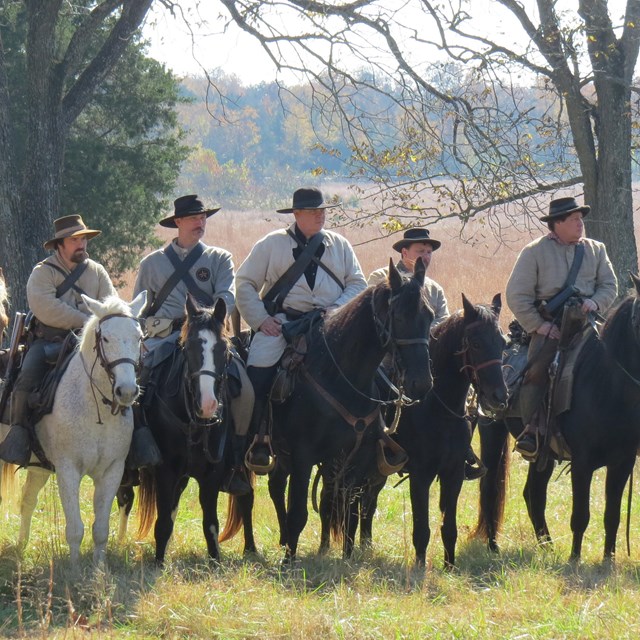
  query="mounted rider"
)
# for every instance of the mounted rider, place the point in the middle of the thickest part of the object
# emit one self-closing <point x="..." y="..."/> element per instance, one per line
<point x="54" y="293"/>
<point x="417" y="243"/>
<point x="553" y="270"/>
<point x="289" y="273"/>
<point x="188" y="265"/>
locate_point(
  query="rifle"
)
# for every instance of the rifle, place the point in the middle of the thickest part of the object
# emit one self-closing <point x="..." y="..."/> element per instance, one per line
<point x="11" y="370"/>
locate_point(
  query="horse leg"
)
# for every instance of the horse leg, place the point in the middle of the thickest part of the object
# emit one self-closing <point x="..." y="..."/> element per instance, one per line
<point x="245" y="504"/>
<point x="616" y="481"/>
<point x="69" y="489"/>
<point x="368" y="506"/>
<point x="297" y="512"/>
<point x="495" y="457"/>
<point x="450" y="487"/>
<point x="125" y="497"/>
<point x="209" y="489"/>
<point x="169" y="488"/>
<point x="36" y="479"/>
<point x="277" y="490"/>
<point x="535" y="497"/>
<point x="351" y="523"/>
<point x="326" y="508"/>
<point x="419" y="491"/>
<point x="105" y="489"/>
<point x="581" y="477"/>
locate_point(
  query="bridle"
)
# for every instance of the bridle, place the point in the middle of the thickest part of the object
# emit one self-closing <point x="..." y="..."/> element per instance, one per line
<point x="110" y="365"/>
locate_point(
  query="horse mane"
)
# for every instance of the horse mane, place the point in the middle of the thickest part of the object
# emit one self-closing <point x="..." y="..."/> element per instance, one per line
<point x="343" y="318"/>
<point x="113" y="304"/>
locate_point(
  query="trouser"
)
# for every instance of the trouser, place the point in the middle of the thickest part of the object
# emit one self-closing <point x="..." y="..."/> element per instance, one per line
<point x="542" y="350"/>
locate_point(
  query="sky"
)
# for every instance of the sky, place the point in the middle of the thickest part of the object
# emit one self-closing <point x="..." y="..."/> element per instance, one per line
<point x="225" y="46"/>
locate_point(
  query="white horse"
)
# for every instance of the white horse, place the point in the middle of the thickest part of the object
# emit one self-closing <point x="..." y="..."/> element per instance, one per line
<point x="89" y="430"/>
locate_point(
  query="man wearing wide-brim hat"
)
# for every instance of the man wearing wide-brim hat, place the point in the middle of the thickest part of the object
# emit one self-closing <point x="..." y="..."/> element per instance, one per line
<point x="417" y="243"/>
<point x="54" y="293"/>
<point x="541" y="271"/>
<point x="207" y="273"/>
<point x="316" y="288"/>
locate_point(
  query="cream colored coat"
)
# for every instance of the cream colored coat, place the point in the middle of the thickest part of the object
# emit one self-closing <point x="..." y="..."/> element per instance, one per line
<point x="68" y="311"/>
<point x="269" y="259"/>
<point x="542" y="269"/>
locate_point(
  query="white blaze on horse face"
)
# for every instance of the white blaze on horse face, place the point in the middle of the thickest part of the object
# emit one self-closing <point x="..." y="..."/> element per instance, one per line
<point x="206" y="384"/>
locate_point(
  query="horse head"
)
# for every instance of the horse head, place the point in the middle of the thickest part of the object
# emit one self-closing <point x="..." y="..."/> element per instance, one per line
<point x="482" y="347"/>
<point x="117" y="342"/>
<point x="403" y="319"/>
<point x="205" y="351"/>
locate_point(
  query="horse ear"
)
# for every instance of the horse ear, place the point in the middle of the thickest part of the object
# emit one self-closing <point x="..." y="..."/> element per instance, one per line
<point x="496" y="305"/>
<point x="395" y="279"/>
<point x="220" y="310"/>
<point x="469" y="309"/>
<point x="192" y="307"/>
<point x="138" y="304"/>
<point x="95" y="306"/>
<point x="636" y="281"/>
<point x="419" y="271"/>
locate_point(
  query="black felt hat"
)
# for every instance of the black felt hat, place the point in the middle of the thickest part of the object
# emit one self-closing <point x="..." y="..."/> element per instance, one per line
<point x="308" y="198"/>
<point x="186" y="206"/>
<point x="563" y="206"/>
<point x="416" y="235"/>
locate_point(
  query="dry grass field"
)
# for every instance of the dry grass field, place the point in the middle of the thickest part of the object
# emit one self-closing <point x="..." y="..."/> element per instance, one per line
<point x="526" y="592"/>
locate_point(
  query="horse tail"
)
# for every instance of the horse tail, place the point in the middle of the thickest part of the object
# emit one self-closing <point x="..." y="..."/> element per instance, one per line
<point x="496" y="455"/>
<point x="234" y="522"/>
<point x="147" y="503"/>
<point x="8" y="480"/>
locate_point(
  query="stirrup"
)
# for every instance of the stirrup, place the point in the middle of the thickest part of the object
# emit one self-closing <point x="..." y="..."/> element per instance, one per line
<point x="260" y="470"/>
<point x="390" y="456"/>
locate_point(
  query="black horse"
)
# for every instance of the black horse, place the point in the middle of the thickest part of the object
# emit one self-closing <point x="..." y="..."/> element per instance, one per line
<point x="193" y="433"/>
<point x="601" y="429"/>
<point x="333" y="418"/>
<point x="466" y="350"/>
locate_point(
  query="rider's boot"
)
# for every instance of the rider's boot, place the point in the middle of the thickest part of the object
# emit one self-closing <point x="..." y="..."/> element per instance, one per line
<point x="143" y="451"/>
<point x="237" y="483"/>
<point x="259" y="457"/>
<point x="16" y="447"/>
<point x="474" y="468"/>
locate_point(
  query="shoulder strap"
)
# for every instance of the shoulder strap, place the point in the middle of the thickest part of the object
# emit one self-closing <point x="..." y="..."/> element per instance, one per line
<point x="282" y="286"/>
<point x="575" y="265"/>
<point x="70" y="278"/>
<point x="319" y="262"/>
<point x="181" y="273"/>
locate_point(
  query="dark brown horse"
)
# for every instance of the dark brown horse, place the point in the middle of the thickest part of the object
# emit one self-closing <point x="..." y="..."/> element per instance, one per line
<point x="602" y="429"/>
<point x="193" y="435"/>
<point x="333" y="418"/>
<point x="466" y="351"/>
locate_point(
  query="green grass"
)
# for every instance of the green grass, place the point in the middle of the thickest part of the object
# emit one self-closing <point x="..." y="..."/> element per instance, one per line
<point x="525" y="592"/>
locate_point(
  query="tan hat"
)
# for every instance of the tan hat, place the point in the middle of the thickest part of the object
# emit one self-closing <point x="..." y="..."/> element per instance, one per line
<point x="70" y="227"/>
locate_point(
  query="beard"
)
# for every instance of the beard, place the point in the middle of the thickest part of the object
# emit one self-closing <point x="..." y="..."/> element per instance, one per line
<point x="79" y="256"/>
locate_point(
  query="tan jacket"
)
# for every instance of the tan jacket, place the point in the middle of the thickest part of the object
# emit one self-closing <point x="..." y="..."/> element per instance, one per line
<point x="542" y="269"/>
<point x="435" y="293"/>
<point x="68" y="311"/>
<point x="269" y="259"/>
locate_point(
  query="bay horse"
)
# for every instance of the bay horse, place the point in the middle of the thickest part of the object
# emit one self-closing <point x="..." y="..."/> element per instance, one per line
<point x="466" y="352"/>
<point x="89" y="429"/>
<point x="333" y="418"/>
<point x="601" y="429"/>
<point x="193" y="430"/>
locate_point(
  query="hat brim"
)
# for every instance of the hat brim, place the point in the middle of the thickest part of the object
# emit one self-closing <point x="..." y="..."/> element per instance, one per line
<point x="170" y="221"/>
<point x="324" y="205"/>
<point x="405" y="242"/>
<point x="89" y="233"/>
<point x="585" y="211"/>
